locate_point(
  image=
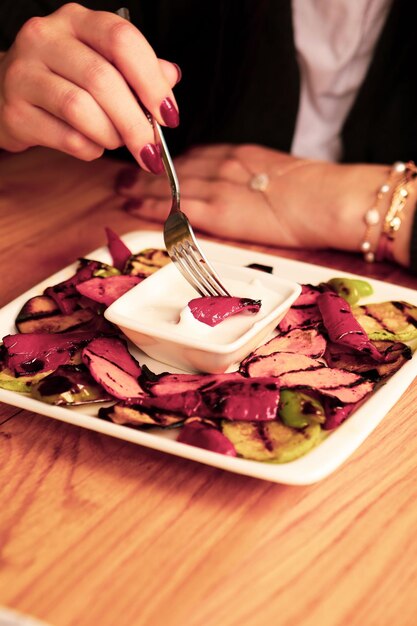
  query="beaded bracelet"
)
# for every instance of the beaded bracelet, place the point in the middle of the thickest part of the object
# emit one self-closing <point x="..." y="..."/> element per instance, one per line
<point x="372" y="216"/>
<point x="394" y="215"/>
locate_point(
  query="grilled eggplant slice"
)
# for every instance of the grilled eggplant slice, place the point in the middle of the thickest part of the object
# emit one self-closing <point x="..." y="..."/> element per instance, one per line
<point x="41" y="314"/>
<point x="69" y="385"/>
<point x="271" y="441"/>
<point x="146" y="262"/>
<point x="130" y="414"/>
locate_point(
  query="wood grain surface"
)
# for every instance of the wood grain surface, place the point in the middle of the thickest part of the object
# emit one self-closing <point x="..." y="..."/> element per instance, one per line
<point x="97" y="531"/>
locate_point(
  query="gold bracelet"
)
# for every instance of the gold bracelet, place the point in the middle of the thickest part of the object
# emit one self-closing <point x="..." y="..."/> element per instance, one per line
<point x="394" y="215"/>
<point x="372" y="216"/>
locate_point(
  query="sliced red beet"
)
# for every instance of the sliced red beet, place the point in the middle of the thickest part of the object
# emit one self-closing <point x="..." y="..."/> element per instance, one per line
<point x="39" y="352"/>
<point x="119" y="251"/>
<point x="108" y="289"/>
<point x="111" y="364"/>
<point x="206" y="436"/>
<point x="213" y="310"/>
<point x="65" y="294"/>
<point x="302" y="341"/>
<point x="342" y="326"/>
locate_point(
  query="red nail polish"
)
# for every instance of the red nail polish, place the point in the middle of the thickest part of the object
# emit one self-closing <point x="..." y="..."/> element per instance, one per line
<point x="151" y="156"/>
<point x="169" y="113"/>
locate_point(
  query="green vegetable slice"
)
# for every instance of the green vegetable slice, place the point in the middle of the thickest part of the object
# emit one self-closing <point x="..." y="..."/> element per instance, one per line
<point x="20" y="384"/>
<point x="271" y="441"/>
<point x="298" y="409"/>
<point x="388" y="320"/>
<point x="351" y="289"/>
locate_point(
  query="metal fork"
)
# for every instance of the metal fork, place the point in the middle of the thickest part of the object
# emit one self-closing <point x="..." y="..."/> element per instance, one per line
<point x="179" y="237"/>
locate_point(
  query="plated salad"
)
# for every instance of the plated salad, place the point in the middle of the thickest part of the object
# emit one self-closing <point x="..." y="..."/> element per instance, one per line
<point x="328" y="354"/>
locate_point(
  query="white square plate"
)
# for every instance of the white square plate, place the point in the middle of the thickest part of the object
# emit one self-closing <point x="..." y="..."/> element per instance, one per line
<point x="315" y="465"/>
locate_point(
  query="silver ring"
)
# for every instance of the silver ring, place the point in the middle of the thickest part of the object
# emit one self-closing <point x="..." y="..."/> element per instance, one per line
<point x="259" y="182"/>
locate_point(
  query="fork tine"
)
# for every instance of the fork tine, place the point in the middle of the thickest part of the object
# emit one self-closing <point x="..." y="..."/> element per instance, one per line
<point x="188" y="274"/>
<point x="178" y="231"/>
<point x="204" y="269"/>
<point x="191" y="266"/>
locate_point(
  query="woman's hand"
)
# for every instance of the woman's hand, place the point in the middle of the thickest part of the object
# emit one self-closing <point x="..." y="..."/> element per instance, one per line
<point x="307" y="204"/>
<point x="70" y="82"/>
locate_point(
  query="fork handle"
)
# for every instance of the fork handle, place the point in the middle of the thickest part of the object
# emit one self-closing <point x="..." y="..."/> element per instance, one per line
<point x="167" y="161"/>
<point x="159" y="137"/>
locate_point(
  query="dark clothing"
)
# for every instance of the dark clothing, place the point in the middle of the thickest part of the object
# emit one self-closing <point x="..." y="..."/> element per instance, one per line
<point x="240" y="75"/>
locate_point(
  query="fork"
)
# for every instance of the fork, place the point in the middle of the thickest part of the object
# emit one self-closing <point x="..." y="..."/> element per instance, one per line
<point x="180" y="241"/>
<point x="179" y="237"/>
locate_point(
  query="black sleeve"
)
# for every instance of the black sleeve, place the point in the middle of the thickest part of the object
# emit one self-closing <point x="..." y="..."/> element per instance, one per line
<point x="14" y="13"/>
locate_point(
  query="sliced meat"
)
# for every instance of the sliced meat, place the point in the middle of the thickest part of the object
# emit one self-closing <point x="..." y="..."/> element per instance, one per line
<point x="346" y="386"/>
<point x="112" y="365"/>
<point x="168" y="384"/>
<point x="281" y="363"/>
<point x="107" y="289"/>
<point x="244" y="399"/>
<point x="395" y="353"/>
<point x="309" y="342"/>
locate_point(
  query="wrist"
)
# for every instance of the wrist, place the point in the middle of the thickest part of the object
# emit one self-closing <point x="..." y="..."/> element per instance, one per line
<point x="358" y="187"/>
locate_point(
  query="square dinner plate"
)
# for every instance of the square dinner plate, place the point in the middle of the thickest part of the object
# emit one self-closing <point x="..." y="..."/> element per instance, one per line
<point x="315" y="465"/>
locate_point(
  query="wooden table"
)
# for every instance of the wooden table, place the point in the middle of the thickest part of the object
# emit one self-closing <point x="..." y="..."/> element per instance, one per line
<point x="97" y="531"/>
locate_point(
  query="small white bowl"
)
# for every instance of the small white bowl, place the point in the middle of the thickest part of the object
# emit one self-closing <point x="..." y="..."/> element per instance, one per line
<point x="149" y="315"/>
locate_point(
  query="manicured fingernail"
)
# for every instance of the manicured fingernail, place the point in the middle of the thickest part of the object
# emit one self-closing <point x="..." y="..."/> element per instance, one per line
<point x="169" y="113"/>
<point x="177" y="67"/>
<point x="127" y="178"/>
<point x="132" y="205"/>
<point x="151" y="156"/>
